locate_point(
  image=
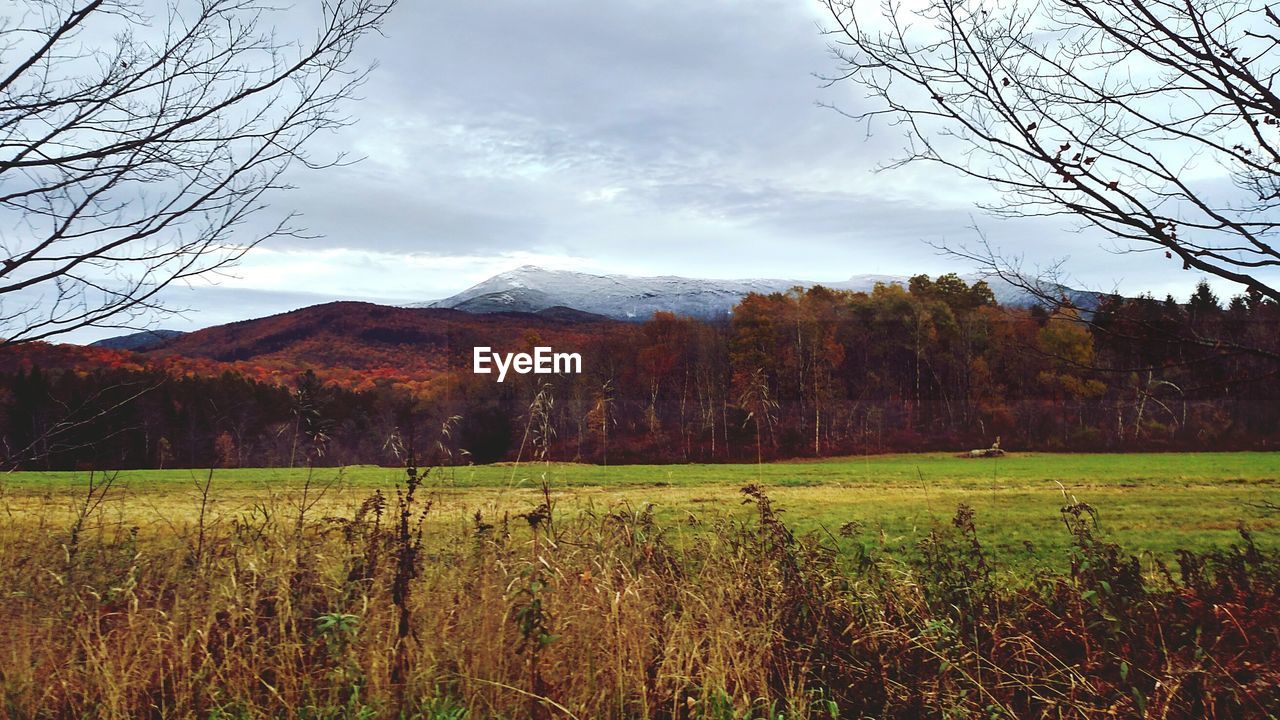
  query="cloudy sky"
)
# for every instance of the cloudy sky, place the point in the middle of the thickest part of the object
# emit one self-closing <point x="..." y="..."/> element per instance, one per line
<point x="629" y="136"/>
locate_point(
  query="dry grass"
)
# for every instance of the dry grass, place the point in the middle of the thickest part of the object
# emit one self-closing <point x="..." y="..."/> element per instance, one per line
<point x="303" y="603"/>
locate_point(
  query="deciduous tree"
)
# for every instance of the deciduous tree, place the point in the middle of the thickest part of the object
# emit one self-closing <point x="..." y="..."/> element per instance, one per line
<point x="136" y="146"/>
<point x="1156" y="122"/>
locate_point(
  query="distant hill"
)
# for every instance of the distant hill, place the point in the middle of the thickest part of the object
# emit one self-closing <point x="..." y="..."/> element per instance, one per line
<point x="625" y="297"/>
<point x="139" y="341"/>
<point x="354" y="344"/>
<point x="413" y="342"/>
<point x="358" y="343"/>
<point x="564" y="314"/>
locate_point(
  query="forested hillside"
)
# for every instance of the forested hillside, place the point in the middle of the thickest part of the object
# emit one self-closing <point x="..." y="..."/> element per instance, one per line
<point x="817" y="372"/>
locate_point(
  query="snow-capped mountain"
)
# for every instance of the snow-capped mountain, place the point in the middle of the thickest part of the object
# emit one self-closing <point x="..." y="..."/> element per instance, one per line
<point x="625" y="297"/>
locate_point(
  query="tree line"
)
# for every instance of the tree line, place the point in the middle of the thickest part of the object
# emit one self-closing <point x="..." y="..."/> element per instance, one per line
<point x="933" y="365"/>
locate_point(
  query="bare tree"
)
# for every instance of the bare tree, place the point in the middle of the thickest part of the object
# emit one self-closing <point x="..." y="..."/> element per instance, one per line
<point x="1156" y="121"/>
<point x="135" y="145"/>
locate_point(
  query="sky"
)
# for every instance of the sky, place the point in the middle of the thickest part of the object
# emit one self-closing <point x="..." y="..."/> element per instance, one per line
<point x="640" y="137"/>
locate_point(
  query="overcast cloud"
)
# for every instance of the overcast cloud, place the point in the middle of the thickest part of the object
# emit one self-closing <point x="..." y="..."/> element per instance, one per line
<point x="630" y="136"/>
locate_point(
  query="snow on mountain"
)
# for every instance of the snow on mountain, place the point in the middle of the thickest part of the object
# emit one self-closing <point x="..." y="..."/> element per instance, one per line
<point x="624" y="297"/>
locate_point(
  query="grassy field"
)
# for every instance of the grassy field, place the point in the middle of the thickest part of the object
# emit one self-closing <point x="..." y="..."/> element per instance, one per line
<point x="847" y="588"/>
<point x="1149" y="503"/>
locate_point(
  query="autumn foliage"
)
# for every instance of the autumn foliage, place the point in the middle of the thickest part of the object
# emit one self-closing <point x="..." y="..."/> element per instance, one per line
<point x="936" y="364"/>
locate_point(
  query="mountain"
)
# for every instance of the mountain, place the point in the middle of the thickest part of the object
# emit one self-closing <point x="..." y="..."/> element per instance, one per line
<point x="624" y="297"/>
<point x="139" y="341"/>
<point x="621" y="297"/>
<point x="364" y="336"/>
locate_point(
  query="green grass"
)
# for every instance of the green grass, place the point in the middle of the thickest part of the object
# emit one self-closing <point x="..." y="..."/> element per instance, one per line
<point x="895" y="470"/>
<point x="1150" y="503"/>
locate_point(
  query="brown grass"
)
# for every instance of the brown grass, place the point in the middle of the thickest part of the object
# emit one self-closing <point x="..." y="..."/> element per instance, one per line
<point x="293" y="608"/>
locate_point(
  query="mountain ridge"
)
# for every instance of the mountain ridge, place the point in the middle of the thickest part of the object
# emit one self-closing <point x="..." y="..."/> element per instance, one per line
<point x="141" y="341"/>
<point x="532" y="293"/>
<point x="366" y="335"/>
<point x="530" y="288"/>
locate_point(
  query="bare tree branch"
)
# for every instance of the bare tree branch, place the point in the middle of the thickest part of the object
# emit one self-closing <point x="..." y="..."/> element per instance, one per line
<point x="130" y="165"/>
<point x="1156" y="122"/>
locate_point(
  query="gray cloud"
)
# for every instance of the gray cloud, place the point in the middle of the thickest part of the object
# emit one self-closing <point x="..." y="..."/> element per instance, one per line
<point x="645" y="136"/>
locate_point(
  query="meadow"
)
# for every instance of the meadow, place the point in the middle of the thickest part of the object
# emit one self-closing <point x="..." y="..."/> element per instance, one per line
<point x="1147" y="502"/>
<point x="912" y="586"/>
